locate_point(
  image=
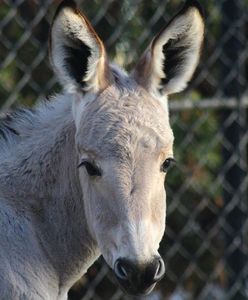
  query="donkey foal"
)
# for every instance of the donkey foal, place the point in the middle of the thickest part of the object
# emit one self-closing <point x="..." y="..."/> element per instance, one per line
<point x="83" y="175"/>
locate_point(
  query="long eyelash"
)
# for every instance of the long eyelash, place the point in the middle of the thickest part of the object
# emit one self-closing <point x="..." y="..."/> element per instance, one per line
<point x="84" y="162"/>
<point x="173" y="160"/>
<point x="91" y="168"/>
<point x="81" y="164"/>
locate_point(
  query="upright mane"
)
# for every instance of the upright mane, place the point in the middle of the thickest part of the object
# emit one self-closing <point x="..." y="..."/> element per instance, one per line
<point x="13" y="124"/>
<point x="21" y="122"/>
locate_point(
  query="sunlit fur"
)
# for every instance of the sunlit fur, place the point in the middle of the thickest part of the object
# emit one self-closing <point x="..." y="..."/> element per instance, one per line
<point x="55" y="219"/>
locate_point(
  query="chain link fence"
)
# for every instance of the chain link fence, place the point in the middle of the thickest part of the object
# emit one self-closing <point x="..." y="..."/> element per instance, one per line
<point x="206" y="242"/>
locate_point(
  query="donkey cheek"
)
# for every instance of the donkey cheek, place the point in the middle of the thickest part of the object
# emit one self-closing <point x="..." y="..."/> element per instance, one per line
<point x="108" y="246"/>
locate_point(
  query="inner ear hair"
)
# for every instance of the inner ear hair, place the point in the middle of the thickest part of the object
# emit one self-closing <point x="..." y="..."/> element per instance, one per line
<point x="170" y="60"/>
<point x="76" y="52"/>
<point x="76" y="61"/>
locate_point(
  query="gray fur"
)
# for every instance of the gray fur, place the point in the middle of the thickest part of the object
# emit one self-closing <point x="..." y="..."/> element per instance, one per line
<point x="39" y="208"/>
<point x="55" y="219"/>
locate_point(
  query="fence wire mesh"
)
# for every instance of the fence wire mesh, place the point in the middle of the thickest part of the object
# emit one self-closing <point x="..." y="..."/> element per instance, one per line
<point x="206" y="242"/>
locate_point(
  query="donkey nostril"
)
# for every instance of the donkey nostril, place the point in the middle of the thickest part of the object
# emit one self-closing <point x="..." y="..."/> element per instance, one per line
<point x="160" y="271"/>
<point x="120" y="270"/>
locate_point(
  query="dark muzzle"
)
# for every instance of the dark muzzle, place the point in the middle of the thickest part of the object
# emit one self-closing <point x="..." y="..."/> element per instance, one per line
<point x="139" y="279"/>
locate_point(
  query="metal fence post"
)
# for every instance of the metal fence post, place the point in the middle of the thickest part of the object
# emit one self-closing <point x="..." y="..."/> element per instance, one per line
<point x="233" y="154"/>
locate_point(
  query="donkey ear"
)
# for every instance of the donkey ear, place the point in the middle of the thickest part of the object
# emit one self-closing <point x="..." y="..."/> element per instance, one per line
<point x="171" y="59"/>
<point x="76" y="52"/>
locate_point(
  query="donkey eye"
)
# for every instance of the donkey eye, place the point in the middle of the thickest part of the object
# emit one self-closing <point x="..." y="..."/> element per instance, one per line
<point x="91" y="169"/>
<point x="167" y="164"/>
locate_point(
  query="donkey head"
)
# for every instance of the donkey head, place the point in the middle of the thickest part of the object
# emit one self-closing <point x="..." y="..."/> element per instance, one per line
<point x="123" y="136"/>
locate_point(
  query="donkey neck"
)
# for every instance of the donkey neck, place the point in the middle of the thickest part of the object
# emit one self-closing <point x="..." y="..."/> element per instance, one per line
<point x="39" y="178"/>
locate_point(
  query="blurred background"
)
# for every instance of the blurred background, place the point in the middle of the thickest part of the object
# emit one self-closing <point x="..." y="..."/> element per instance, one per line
<point x="206" y="242"/>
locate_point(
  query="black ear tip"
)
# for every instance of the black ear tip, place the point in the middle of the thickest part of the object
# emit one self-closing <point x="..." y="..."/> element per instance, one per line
<point x="68" y="3"/>
<point x="196" y="4"/>
<point x="65" y="3"/>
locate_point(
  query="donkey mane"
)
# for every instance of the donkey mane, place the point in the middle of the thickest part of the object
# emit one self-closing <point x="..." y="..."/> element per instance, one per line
<point x="21" y="123"/>
<point x="13" y="123"/>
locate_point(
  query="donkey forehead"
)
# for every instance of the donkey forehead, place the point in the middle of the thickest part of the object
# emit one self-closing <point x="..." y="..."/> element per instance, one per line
<point x="118" y="120"/>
